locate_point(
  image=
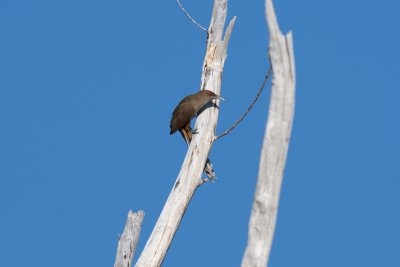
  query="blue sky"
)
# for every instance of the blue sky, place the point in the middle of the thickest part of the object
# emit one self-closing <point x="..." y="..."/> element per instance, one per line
<point x="87" y="89"/>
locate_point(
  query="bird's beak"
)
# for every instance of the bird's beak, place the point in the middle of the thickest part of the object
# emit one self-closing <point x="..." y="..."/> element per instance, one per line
<point x="219" y="97"/>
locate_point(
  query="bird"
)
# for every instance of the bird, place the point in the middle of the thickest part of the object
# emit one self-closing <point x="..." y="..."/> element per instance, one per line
<point x="183" y="113"/>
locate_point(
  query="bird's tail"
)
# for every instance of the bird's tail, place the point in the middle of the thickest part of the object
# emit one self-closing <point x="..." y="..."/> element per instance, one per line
<point x="186" y="133"/>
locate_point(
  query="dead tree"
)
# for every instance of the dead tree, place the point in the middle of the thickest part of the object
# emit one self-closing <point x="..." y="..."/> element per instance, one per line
<point x="272" y="160"/>
<point x="189" y="178"/>
<point x="275" y="145"/>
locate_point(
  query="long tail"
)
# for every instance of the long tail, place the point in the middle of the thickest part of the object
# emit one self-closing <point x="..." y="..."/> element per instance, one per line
<point x="186" y="133"/>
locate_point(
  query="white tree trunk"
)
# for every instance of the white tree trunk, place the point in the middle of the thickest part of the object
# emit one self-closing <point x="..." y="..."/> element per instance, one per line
<point x="129" y="239"/>
<point x="189" y="178"/>
<point x="275" y="145"/>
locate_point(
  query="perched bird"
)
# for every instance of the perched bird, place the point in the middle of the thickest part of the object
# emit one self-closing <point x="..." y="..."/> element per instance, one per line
<point x="184" y="112"/>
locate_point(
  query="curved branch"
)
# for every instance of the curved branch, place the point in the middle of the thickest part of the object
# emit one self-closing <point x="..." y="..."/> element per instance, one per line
<point x="248" y="109"/>
<point x="187" y="14"/>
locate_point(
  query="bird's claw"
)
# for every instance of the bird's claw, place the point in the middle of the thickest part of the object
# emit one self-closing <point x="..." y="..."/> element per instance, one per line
<point x="210" y="179"/>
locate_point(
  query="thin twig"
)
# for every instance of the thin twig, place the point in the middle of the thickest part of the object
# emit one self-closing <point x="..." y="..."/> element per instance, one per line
<point x="249" y="108"/>
<point x="187" y="14"/>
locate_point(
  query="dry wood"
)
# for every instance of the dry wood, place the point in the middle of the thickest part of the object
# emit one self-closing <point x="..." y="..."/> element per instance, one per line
<point x="275" y="145"/>
<point x="189" y="178"/>
<point x="129" y="239"/>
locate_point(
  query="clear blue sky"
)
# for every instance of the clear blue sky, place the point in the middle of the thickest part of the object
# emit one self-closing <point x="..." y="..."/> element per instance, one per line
<point x="86" y="93"/>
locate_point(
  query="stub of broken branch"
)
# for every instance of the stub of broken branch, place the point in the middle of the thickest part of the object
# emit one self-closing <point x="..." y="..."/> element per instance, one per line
<point x="275" y="145"/>
<point x="129" y="239"/>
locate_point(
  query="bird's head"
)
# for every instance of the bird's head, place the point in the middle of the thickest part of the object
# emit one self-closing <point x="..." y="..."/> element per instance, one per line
<point x="209" y="95"/>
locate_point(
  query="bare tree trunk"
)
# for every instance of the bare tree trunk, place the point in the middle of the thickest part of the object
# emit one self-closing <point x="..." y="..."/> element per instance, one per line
<point x="129" y="239"/>
<point x="189" y="178"/>
<point x="275" y="145"/>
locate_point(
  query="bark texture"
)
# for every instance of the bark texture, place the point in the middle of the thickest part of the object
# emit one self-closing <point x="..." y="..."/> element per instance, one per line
<point x="129" y="239"/>
<point x="275" y="145"/>
<point x="189" y="178"/>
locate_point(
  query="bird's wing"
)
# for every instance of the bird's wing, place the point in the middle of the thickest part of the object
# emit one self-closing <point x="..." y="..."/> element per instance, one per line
<point x="182" y="115"/>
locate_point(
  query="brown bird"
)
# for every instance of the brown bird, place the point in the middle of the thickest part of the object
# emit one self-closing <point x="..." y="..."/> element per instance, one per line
<point x="183" y="114"/>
